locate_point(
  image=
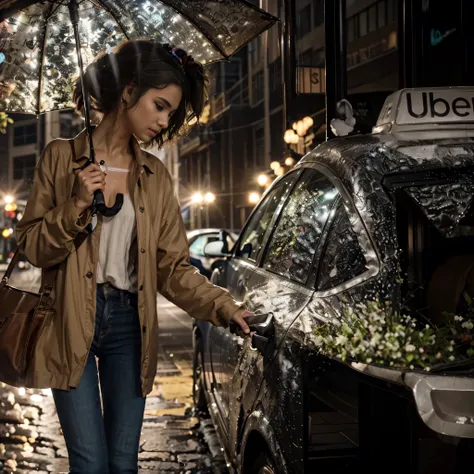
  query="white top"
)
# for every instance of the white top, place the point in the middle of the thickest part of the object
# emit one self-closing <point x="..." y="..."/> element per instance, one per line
<point x="118" y="250"/>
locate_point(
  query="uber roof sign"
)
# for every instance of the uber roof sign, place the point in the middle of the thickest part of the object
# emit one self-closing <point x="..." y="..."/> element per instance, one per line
<point x="427" y="109"/>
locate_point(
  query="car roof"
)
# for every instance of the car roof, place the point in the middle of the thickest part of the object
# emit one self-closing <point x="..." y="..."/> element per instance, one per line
<point x="363" y="162"/>
<point x="193" y="233"/>
<point x="382" y="154"/>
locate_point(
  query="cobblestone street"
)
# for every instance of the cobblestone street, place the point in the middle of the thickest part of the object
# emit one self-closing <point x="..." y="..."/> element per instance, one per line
<point x="173" y="440"/>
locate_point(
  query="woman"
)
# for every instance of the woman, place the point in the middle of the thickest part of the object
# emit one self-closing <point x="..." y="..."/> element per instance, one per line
<point x="106" y="284"/>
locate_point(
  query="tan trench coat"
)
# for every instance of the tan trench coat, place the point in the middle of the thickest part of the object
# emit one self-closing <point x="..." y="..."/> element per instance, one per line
<point x="49" y="233"/>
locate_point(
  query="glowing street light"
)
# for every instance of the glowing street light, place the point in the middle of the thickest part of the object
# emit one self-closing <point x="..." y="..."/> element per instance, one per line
<point x="290" y="137"/>
<point x="274" y="165"/>
<point x="289" y="161"/>
<point x="6" y="233"/>
<point x="262" y="180"/>
<point x="197" y="198"/>
<point x="254" y="198"/>
<point x="308" y="122"/>
<point x="210" y="198"/>
<point x="8" y="199"/>
<point x="280" y="171"/>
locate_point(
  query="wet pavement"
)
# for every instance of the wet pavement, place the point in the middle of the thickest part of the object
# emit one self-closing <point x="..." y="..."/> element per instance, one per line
<point x="173" y="439"/>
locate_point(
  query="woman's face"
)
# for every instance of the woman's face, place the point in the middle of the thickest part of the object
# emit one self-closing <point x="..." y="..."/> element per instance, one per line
<point x="152" y="112"/>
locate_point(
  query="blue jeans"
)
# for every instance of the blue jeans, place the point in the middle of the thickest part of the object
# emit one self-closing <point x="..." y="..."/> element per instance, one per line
<point x="108" y="443"/>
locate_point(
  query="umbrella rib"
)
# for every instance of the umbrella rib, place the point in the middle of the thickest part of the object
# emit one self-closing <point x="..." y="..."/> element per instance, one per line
<point x="52" y="12"/>
<point x="41" y="62"/>
<point x="226" y="56"/>
<point x="107" y="9"/>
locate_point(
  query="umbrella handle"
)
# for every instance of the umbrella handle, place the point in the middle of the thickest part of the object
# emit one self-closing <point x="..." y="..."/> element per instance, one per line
<point x="99" y="204"/>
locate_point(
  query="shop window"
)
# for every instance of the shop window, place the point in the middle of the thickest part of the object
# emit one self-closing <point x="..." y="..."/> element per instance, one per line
<point x="363" y="23"/>
<point x="372" y="18"/>
<point x="382" y="13"/>
<point x="24" y="134"/>
<point x="24" y="168"/>
<point x="304" y="22"/>
<point x="318" y="9"/>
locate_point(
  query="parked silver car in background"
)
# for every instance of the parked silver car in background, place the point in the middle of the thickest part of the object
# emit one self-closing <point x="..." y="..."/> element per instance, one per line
<point x="198" y="239"/>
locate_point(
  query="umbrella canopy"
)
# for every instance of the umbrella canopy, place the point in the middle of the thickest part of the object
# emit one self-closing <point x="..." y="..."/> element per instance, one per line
<point x="38" y="57"/>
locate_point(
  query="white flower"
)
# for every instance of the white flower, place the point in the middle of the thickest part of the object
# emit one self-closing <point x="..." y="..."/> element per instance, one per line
<point x="467" y="325"/>
<point x="375" y="339"/>
<point x="410" y="348"/>
<point x="318" y="340"/>
<point x="341" y="340"/>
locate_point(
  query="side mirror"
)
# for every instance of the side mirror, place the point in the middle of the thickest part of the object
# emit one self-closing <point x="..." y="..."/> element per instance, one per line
<point x="216" y="249"/>
<point x="223" y="235"/>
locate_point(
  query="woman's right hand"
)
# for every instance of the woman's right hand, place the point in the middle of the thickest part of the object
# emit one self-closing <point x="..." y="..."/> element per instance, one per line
<point x="89" y="180"/>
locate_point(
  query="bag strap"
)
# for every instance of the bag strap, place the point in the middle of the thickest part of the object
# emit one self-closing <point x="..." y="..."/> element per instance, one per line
<point x="48" y="280"/>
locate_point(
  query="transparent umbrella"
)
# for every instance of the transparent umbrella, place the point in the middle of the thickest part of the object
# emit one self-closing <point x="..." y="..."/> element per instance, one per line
<point x="45" y="45"/>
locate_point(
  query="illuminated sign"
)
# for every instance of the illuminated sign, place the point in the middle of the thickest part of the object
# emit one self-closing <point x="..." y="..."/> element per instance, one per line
<point x="311" y="80"/>
<point x="427" y="109"/>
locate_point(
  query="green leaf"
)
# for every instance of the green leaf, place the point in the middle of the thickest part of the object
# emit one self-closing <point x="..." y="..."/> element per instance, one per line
<point x="468" y="298"/>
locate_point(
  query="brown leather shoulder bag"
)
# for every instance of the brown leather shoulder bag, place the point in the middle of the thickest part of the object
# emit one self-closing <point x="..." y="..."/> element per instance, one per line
<point x="23" y="316"/>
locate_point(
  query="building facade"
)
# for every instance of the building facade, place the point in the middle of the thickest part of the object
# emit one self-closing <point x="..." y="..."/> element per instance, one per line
<point x="242" y="133"/>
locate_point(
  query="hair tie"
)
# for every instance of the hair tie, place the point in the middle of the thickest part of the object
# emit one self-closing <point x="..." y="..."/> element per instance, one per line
<point x="173" y="52"/>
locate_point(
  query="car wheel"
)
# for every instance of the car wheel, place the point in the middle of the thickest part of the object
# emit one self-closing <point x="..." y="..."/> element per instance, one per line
<point x="263" y="464"/>
<point x="199" y="397"/>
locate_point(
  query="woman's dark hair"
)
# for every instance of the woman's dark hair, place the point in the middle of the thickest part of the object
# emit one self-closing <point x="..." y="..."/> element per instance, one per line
<point x="146" y="65"/>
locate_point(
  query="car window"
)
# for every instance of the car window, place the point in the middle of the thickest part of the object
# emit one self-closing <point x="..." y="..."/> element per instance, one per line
<point x="197" y="247"/>
<point x="252" y="239"/>
<point x="298" y="232"/>
<point x="342" y="258"/>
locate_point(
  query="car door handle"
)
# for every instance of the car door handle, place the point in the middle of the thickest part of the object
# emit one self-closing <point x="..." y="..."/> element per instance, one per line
<point x="259" y="343"/>
<point x="263" y="327"/>
<point x="262" y="324"/>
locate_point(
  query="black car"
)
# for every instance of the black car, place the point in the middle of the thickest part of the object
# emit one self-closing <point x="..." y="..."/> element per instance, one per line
<point x="362" y="230"/>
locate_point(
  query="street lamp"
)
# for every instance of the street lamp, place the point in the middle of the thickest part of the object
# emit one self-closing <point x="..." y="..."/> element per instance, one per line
<point x="197" y="198"/>
<point x="289" y="161"/>
<point x="280" y="171"/>
<point x="8" y="199"/>
<point x="254" y="198"/>
<point x="274" y="165"/>
<point x="290" y="137"/>
<point x="308" y="122"/>
<point x="6" y="233"/>
<point x="210" y="198"/>
<point x="262" y="180"/>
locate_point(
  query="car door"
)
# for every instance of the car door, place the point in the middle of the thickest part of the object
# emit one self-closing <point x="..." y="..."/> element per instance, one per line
<point x="281" y="285"/>
<point x="226" y="348"/>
